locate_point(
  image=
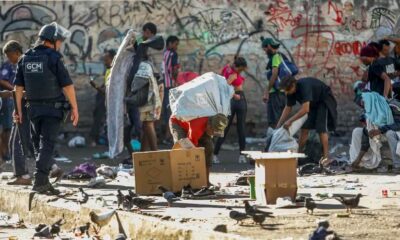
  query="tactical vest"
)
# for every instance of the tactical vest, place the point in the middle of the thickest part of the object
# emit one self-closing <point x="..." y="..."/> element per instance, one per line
<point x="40" y="81"/>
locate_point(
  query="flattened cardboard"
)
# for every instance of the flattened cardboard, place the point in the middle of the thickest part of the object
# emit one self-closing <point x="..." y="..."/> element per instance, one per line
<point x="275" y="178"/>
<point x="170" y="168"/>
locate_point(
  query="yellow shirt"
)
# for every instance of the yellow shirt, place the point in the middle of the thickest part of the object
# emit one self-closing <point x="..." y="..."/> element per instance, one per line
<point x="107" y="75"/>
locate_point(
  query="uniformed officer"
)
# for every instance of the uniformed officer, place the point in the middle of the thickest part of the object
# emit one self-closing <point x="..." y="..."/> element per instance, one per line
<point x="43" y="76"/>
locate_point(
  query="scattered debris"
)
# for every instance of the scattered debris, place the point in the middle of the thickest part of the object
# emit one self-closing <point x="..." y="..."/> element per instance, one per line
<point x="77" y="141"/>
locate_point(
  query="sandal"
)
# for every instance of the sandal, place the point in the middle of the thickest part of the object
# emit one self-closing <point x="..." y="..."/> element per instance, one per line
<point x="325" y="162"/>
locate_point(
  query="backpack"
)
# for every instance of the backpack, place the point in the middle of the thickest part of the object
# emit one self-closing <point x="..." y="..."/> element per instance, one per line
<point x="286" y="68"/>
<point x="139" y="94"/>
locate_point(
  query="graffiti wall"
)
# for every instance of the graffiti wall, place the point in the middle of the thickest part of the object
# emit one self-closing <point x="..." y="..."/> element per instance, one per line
<point x="323" y="37"/>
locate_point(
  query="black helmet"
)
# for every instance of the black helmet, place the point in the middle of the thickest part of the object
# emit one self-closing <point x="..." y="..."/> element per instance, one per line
<point x="53" y="32"/>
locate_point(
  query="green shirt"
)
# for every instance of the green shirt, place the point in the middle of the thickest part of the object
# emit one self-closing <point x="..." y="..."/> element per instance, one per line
<point x="276" y="61"/>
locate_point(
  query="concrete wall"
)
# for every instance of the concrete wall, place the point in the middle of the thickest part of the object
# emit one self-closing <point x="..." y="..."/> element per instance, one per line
<point x="322" y="37"/>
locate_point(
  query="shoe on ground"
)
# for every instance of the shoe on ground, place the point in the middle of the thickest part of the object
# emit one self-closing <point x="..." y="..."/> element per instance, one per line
<point x="57" y="173"/>
<point x="242" y="159"/>
<point x="187" y="192"/>
<point x="47" y="189"/>
<point x="204" y="192"/>
<point x="21" y="181"/>
<point x="215" y="160"/>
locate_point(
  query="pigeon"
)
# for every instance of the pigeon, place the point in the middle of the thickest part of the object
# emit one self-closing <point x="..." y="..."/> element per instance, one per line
<point x="238" y="216"/>
<point x="44" y="232"/>
<point x="55" y="228"/>
<point x="39" y="227"/>
<point x="251" y="210"/>
<point x="349" y="202"/>
<point x="310" y="205"/>
<point x="221" y="228"/>
<point x="127" y="203"/>
<point x="187" y="192"/>
<point x="102" y="219"/>
<point x="169" y="196"/>
<point x="259" y="218"/>
<point x="120" y="198"/>
<point x="132" y="194"/>
<point x="83" y="197"/>
<point x="143" y="203"/>
<point x="81" y="230"/>
<point x="322" y="233"/>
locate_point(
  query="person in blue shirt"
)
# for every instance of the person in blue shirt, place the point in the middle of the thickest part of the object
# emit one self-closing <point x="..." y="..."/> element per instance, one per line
<point x="42" y="75"/>
<point x="7" y="74"/>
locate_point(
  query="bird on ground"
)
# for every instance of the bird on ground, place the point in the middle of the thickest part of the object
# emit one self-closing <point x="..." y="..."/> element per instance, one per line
<point x="259" y="218"/>
<point x="83" y="197"/>
<point x="102" y="219"/>
<point x="349" y="202"/>
<point x="238" y="216"/>
<point x="322" y="232"/>
<point x="169" y="196"/>
<point x="310" y="205"/>
<point x="81" y="230"/>
<point x="221" y="228"/>
<point x="132" y="194"/>
<point x="43" y="232"/>
<point x="251" y="210"/>
<point x="55" y="228"/>
<point x="127" y="203"/>
<point x="143" y="203"/>
<point x="120" y="197"/>
<point x="39" y="227"/>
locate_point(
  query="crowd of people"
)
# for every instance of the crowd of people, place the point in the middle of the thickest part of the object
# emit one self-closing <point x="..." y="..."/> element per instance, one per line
<point x="44" y="93"/>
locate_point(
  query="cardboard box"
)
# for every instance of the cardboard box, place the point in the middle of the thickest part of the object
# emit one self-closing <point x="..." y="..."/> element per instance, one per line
<point x="276" y="175"/>
<point x="172" y="169"/>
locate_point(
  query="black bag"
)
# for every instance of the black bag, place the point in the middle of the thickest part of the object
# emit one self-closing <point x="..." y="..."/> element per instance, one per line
<point x="139" y="94"/>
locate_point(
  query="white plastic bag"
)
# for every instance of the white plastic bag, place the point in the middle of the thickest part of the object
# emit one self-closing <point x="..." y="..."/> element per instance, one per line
<point x="282" y="142"/>
<point x="204" y="96"/>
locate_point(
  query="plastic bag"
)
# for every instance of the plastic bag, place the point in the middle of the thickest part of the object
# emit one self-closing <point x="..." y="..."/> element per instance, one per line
<point x="281" y="141"/>
<point x="204" y="96"/>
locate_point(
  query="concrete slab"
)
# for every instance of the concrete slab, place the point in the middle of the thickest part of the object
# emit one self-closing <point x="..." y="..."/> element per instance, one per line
<point x="377" y="217"/>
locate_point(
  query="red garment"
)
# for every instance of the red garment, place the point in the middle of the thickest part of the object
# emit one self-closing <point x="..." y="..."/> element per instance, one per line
<point x="227" y="71"/>
<point x="194" y="128"/>
<point x="184" y="77"/>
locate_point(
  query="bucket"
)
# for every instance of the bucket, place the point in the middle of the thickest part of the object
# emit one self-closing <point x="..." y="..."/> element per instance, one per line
<point x="252" y="183"/>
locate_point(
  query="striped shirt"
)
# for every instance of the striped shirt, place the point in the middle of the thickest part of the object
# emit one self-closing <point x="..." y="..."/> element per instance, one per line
<point x="170" y="63"/>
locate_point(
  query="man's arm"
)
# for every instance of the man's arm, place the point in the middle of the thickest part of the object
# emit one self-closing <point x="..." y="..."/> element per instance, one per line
<point x="19" y="92"/>
<point x="305" y="108"/>
<point x="6" y="85"/>
<point x="387" y="86"/>
<point x="69" y="92"/>
<point x="274" y="77"/>
<point x="393" y="39"/>
<point x="285" y="113"/>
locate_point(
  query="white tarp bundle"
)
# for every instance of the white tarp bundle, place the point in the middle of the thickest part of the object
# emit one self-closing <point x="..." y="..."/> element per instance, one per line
<point x="116" y="88"/>
<point x="204" y="96"/>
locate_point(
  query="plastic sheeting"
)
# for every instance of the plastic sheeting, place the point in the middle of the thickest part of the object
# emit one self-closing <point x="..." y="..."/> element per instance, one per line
<point x="116" y="89"/>
<point x="282" y="140"/>
<point x="204" y="96"/>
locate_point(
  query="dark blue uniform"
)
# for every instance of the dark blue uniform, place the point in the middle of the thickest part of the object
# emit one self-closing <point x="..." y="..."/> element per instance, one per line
<point x="43" y="75"/>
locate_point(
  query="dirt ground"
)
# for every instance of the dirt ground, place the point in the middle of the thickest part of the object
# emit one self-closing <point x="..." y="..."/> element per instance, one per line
<point x="377" y="217"/>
